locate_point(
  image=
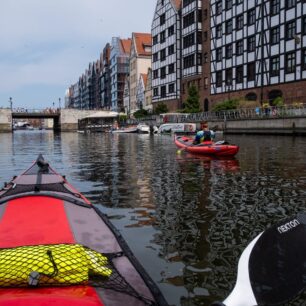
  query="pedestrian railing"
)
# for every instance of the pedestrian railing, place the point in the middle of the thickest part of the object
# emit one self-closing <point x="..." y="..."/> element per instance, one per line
<point x="271" y="112"/>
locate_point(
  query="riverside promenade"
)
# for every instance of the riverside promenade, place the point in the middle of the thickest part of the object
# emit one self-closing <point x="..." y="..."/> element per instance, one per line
<point x="285" y="120"/>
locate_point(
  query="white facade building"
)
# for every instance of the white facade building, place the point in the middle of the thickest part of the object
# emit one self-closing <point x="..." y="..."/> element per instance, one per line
<point x="166" y="49"/>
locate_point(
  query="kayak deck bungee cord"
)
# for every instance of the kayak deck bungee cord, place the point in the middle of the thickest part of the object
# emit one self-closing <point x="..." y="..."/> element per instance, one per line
<point x="58" y="249"/>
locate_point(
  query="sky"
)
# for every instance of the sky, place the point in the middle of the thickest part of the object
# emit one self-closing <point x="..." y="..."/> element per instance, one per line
<point x="46" y="45"/>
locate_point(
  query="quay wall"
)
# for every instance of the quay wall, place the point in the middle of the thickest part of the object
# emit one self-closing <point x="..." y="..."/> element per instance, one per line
<point x="281" y="126"/>
<point x="5" y="120"/>
<point x="69" y="118"/>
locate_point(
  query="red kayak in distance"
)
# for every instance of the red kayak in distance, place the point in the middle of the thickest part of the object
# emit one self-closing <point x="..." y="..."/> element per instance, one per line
<point x="220" y="148"/>
<point x="56" y="248"/>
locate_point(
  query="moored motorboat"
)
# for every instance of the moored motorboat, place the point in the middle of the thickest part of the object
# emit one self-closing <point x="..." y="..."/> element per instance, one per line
<point x="143" y="128"/>
<point x="56" y="248"/>
<point x="220" y="148"/>
<point x="132" y="129"/>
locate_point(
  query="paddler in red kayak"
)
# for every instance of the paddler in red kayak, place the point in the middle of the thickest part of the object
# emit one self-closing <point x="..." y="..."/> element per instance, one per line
<point x="204" y="135"/>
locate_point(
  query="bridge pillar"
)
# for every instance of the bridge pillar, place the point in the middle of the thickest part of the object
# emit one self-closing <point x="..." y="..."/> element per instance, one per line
<point x="6" y="123"/>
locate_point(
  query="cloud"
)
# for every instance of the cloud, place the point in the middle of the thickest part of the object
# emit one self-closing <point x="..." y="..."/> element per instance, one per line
<point x="53" y="41"/>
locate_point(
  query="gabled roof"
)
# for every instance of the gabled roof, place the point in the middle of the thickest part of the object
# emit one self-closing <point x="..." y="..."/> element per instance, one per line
<point x="141" y="41"/>
<point x="177" y="3"/>
<point x="126" y="45"/>
<point x="144" y="76"/>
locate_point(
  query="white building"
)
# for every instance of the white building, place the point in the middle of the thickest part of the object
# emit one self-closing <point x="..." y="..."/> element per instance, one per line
<point x="166" y="49"/>
<point x="258" y="48"/>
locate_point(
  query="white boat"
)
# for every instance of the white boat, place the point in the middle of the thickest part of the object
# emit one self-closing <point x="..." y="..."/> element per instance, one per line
<point x="143" y="128"/>
<point x="168" y="128"/>
<point x="133" y="129"/>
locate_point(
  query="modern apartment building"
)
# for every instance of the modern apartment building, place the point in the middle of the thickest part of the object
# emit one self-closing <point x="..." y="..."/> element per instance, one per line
<point x="140" y="61"/>
<point x="166" y="51"/>
<point x="106" y="78"/>
<point x="119" y="69"/>
<point x="258" y="50"/>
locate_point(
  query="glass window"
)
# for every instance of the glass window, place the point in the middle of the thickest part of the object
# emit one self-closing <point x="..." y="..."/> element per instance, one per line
<point x="251" y="71"/>
<point x="239" y="74"/>
<point x="228" y="51"/>
<point x="219" y="30"/>
<point x="274" y="66"/>
<point x="274" y="7"/>
<point x="229" y="26"/>
<point x="228" y="76"/>
<point x="218" y="7"/>
<point x="251" y="43"/>
<point x="251" y="16"/>
<point x="290" y="30"/>
<point x="171" y="88"/>
<point x="290" y="3"/>
<point x="219" y="54"/>
<point x="171" y="68"/>
<point x="239" y="22"/>
<point x="228" y="4"/>
<point x="219" y="78"/>
<point x="290" y="62"/>
<point x="274" y="35"/>
<point x="162" y="19"/>
<point x="239" y="47"/>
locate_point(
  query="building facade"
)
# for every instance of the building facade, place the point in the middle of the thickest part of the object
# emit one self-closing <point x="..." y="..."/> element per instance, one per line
<point x="106" y="78"/>
<point x="258" y="50"/>
<point x="166" y="50"/>
<point x="140" y="61"/>
<point x="148" y="93"/>
<point x="119" y="67"/>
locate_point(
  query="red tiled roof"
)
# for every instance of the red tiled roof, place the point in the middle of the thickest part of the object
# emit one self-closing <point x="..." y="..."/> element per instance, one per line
<point x="177" y="3"/>
<point x="142" y="40"/>
<point x="126" y="45"/>
<point x="145" y="78"/>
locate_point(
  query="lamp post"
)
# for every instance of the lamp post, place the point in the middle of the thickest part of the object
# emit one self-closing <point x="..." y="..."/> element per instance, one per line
<point x="11" y="103"/>
<point x="59" y="103"/>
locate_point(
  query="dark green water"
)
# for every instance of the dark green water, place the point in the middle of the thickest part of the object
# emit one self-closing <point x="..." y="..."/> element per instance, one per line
<point x="186" y="218"/>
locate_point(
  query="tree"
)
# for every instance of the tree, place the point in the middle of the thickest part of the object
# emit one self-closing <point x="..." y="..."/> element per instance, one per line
<point x="161" y="108"/>
<point x="192" y="103"/>
<point x="140" y="113"/>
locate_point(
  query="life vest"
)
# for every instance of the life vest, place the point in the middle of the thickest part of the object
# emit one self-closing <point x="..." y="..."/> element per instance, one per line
<point x="44" y="265"/>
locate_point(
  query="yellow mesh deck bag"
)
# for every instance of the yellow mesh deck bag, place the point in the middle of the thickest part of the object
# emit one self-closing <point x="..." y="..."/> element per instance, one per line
<point x="44" y="265"/>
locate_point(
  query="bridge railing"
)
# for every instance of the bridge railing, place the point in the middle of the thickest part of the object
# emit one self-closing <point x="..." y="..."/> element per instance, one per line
<point x="36" y="110"/>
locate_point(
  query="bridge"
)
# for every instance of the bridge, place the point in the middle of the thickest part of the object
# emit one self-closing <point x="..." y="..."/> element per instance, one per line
<point x="65" y="119"/>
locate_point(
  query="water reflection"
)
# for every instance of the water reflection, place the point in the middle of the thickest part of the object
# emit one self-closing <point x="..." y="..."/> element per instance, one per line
<point x="187" y="218"/>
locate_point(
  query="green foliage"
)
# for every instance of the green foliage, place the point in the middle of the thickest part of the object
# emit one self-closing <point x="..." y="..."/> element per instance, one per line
<point x="192" y="103"/>
<point x="140" y="113"/>
<point x="279" y="101"/>
<point x="226" y="105"/>
<point x="161" y="108"/>
<point x="122" y="118"/>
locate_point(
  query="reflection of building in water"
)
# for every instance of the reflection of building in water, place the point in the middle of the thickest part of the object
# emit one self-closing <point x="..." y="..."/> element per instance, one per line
<point x="186" y="192"/>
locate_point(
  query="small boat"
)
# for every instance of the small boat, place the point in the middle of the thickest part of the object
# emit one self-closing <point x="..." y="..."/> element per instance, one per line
<point x="185" y="128"/>
<point x="132" y="129"/>
<point x="56" y="248"/>
<point x="143" y="128"/>
<point x="220" y="148"/>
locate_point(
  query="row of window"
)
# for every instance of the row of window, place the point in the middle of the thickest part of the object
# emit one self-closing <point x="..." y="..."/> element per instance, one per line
<point x="290" y="67"/>
<point x="163" y="90"/>
<point x="290" y="28"/>
<point x="162" y="53"/>
<point x="162" y="35"/>
<point x="163" y="72"/>
<point x="275" y="5"/>
<point x="190" y="18"/>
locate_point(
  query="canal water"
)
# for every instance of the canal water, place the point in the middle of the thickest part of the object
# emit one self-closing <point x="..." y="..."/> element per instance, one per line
<point x="186" y="218"/>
